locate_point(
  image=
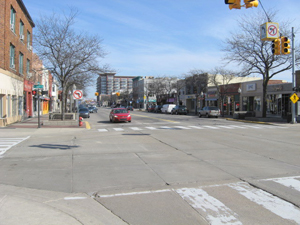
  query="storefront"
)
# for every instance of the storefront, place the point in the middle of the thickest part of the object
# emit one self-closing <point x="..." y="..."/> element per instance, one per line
<point x="278" y="94"/>
<point x="28" y="109"/>
<point x="278" y="99"/>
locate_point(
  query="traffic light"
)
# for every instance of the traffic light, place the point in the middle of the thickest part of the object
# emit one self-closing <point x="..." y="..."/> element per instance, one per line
<point x="250" y="3"/>
<point x="276" y="46"/>
<point x="285" y="46"/>
<point x="34" y="92"/>
<point x="118" y="93"/>
<point x="96" y="94"/>
<point x="233" y="4"/>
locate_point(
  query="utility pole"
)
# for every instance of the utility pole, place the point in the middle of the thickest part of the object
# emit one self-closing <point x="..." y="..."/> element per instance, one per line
<point x="293" y="76"/>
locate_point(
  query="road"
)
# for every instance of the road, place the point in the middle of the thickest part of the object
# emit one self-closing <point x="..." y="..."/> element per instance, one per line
<point x="165" y="169"/>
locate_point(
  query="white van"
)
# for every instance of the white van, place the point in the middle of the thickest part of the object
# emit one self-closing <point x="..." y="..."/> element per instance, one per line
<point x="167" y="108"/>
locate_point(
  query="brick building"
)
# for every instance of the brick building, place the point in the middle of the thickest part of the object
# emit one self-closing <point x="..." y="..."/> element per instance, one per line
<point x="15" y="60"/>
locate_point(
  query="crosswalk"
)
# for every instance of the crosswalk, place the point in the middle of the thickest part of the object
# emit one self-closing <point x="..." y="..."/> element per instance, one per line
<point x="7" y="143"/>
<point x="204" y="127"/>
<point x="228" y="203"/>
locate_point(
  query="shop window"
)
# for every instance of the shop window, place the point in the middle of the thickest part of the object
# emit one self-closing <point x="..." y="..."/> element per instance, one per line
<point x="14" y="105"/>
<point x="8" y="105"/>
<point x="1" y="106"/>
<point x="257" y="103"/>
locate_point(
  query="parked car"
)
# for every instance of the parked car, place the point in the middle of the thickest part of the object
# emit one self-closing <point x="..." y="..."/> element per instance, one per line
<point x="179" y="109"/>
<point x="209" y="111"/>
<point x="151" y="108"/>
<point x="93" y="109"/>
<point x="129" y="108"/>
<point x="84" y="112"/>
<point x="157" y="109"/>
<point x="167" y="108"/>
<point x="119" y="115"/>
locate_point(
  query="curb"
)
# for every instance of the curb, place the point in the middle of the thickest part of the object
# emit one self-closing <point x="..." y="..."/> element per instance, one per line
<point x="249" y="121"/>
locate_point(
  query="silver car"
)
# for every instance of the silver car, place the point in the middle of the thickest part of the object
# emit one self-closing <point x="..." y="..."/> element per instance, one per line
<point x="209" y="111"/>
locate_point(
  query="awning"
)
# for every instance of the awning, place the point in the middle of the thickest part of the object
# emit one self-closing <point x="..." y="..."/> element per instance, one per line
<point x="211" y="99"/>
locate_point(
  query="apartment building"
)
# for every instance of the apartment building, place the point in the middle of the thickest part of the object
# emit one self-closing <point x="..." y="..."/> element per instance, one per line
<point x="15" y="60"/>
<point x="109" y="83"/>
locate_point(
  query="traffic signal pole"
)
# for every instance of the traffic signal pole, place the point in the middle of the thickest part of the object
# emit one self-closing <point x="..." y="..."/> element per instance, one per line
<point x="39" y="118"/>
<point x="293" y="76"/>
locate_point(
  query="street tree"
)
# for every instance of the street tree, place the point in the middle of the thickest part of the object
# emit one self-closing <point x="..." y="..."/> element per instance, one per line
<point x="196" y="83"/>
<point x="169" y="85"/>
<point x="221" y="78"/>
<point x="68" y="53"/>
<point x="245" y="48"/>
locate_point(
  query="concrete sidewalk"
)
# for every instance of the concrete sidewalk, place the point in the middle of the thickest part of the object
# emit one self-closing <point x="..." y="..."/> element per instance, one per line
<point x="34" y="207"/>
<point x="44" y="123"/>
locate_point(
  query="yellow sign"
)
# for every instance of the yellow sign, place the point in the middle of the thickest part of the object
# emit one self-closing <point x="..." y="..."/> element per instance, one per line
<point x="144" y="96"/>
<point x="294" y="98"/>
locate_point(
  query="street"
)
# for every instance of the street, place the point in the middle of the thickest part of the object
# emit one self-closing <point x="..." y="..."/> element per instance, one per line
<point x="161" y="169"/>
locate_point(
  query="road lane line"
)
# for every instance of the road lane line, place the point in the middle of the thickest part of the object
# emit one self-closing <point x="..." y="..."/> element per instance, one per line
<point x="102" y="130"/>
<point x="196" y="127"/>
<point x="211" y="127"/>
<point x="151" y="128"/>
<point x="135" y="128"/>
<point x="118" y="129"/>
<point x="181" y="127"/>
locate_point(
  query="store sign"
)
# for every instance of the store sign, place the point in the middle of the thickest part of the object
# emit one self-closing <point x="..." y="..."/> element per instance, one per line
<point x="251" y="87"/>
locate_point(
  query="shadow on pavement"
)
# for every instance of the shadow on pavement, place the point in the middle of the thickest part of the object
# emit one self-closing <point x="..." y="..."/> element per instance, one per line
<point x="51" y="146"/>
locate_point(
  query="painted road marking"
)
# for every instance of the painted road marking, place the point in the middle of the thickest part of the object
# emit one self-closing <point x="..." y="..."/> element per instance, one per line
<point x="211" y="127"/>
<point x="102" y="130"/>
<point x="118" y="129"/>
<point x="226" y="127"/>
<point x="151" y="128"/>
<point x="171" y="121"/>
<point x="196" y="127"/>
<point x="135" y="128"/>
<point x="181" y="127"/>
<point x="7" y="143"/>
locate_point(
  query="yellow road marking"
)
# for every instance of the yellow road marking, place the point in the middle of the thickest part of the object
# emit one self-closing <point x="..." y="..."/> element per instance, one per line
<point x="87" y="125"/>
<point x="171" y="121"/>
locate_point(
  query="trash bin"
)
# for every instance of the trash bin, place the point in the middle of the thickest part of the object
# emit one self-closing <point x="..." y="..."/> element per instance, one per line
<point x="289" y="117"/>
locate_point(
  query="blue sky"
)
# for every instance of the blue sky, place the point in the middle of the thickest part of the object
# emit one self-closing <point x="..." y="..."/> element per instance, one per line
<point x="161" y="37"/>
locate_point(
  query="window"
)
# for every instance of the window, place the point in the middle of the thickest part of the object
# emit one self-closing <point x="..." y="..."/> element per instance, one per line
<point x="12" y="56"/>
<point x="21" y="30"/>
<point x="12" y="19"/>
<point x="21" y="58"/>
<point x="1" y="105"/>
<point x="28" y="40"/>
<point x="20" y="103"/>
<point x="27" y="66"/>
<point x="8" y="105"/>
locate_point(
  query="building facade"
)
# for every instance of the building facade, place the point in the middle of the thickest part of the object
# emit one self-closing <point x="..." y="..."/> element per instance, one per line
<point x="15" y="60"/>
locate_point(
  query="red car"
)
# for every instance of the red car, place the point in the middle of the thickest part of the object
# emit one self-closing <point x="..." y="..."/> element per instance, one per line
<point x="119" y="114"/>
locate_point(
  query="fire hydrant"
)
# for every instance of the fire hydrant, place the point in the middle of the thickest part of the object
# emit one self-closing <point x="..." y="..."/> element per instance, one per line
<point x="80" y="121"/>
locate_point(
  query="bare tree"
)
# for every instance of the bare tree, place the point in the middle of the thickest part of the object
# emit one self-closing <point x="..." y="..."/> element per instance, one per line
<point x="68" y="53"/>
<point x="221" y="78"/>
<point x="156" y="87"/>
<point x="245" y="48"/>
<point x="196" y="83"/>
<point x="169" y="85"/>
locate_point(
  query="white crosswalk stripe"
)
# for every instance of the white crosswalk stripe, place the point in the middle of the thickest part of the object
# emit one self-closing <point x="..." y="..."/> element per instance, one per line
<point x="211" y="127"/>
<point x="102" y="130"/>
<point x="204" y="127"/>
<point x="151" y="128"/>
<point x="118" y="129"/>
<point x="215" y="204"/>
<point x="135" y="128"/>
<point x="196" y="127"/>
<point x="181" y="127"/>
<point x="7" y="143"/>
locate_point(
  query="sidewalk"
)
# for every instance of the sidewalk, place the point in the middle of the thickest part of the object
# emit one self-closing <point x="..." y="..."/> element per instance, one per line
<point x="33" y="123"/>
<point x="27" y="206"/>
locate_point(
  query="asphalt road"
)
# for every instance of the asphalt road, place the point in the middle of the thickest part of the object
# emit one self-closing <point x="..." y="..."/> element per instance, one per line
<point x="165" y="169"/>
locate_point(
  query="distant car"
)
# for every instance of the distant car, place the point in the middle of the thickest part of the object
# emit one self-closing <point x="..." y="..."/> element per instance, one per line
<point x="119" y="115"/>
<point x="179" y="109"/>
<point x="129" y="108"/>
<point x="209" y="111"/>
<point x="167" y="108"/>
<point x="84" y="112"/>
<point x="157" y="109"/>
<point x="151" y="108"/>
<point x="93" y="109"/>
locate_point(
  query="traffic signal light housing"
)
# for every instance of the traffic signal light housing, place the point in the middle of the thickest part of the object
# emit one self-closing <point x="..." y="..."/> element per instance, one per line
<point x="233" y="4"/>
<point x="250" y="3"/>
<point x="285" y="46"/>
<point x="34" y="93"/>
<point x="96" y="94"/>
<point x="276" y="46"/>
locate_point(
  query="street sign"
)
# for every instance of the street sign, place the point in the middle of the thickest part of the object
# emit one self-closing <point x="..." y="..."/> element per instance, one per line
<point x="38" y="86"/>
<point x="294" y="98"/>
<point x="269" y="31"/>
<point x="77" y="94"/>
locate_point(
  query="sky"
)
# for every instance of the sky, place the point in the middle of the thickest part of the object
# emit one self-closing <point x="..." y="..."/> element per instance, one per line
<point x="162" y="37"/>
